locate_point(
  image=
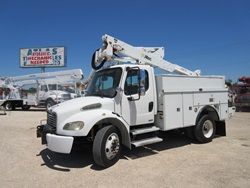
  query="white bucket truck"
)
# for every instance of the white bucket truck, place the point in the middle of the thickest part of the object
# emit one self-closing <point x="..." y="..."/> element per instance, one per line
<point x="48" y="93"/>
<point x="127" y="104"/>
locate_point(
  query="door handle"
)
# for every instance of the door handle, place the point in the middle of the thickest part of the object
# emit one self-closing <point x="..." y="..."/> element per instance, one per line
<point x="150" y="106"/>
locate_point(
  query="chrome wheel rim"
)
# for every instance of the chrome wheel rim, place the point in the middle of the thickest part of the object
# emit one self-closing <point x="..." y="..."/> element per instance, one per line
<point x="112" y="146"/>
<point x="208" y="128"/>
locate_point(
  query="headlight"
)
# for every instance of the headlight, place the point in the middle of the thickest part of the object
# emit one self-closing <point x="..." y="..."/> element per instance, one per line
<point x="74" y="126"/>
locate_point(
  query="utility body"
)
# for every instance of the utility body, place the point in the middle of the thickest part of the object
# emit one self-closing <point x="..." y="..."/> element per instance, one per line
<point x="127" y="104"/>
<point x="49" y="91"/>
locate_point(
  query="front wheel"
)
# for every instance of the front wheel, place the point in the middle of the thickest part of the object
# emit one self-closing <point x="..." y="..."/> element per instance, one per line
<point x="205" y="129"/>
<point x="50" y="103"/>
<point x="107" y="146"/>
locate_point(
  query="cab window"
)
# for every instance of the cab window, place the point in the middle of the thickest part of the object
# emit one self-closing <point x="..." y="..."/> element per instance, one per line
<point x="131" y="86"/>
<point x="44" y="88"/>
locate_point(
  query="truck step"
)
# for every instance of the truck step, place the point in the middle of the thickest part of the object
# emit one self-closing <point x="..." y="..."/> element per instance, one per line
<point x="144" y="130"/>
<point x="146" y="141"/>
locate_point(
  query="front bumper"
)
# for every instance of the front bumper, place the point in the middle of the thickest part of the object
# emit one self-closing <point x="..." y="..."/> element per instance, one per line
<point x="59" y="144"/>
<point x="56" y="143"/>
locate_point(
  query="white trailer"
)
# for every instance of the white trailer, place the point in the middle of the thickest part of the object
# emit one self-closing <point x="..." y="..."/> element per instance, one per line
<point x="128" y="104"/>
<point x="49" y="91"/>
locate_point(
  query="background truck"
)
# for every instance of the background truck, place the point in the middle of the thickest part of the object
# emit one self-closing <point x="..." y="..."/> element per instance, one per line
<point x="49" y="92"/>
<point x="242" y="93"/>
<point x="127" y="104"/>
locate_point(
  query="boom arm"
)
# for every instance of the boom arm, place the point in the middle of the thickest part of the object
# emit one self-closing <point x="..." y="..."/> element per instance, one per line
<point x="140" y="55"/>
<point x="68" y="76"/>
<point x="71" y="74"/>
<point x="32" y="78"/>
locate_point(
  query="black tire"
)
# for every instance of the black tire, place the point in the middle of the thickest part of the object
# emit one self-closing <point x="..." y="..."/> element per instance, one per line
<point x="9" y="106"/>
<point x="94" y="64"/>
<point x="238" y="109"/>
<point x="50" y="103"/>
<point x="107" y="146"/>
<point x="205" y="129"/>
<point x="25" y="107"/>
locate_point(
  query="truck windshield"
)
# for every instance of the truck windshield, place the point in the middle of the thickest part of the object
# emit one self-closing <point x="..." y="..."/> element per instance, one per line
<point x="55" y="87"/>
<point x="104" y="83"/>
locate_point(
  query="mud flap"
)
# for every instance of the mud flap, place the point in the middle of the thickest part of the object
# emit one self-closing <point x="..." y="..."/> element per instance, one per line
<point x="220" y="128"/>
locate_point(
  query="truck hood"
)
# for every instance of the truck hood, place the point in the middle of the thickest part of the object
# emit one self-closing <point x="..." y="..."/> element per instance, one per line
<point x="77" y="105"/>
<point x="85" y="109"/>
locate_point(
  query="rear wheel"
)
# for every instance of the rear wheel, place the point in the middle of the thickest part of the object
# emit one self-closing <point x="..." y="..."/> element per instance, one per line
<point x="238" y="109"/>
<point x="9" y="106"/>
<point x="25" y="107"/>
<point x="205" y="129"/>
<point x="107" y="146"/>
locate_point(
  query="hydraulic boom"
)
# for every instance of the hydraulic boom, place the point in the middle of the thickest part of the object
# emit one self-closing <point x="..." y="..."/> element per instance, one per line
<point x="152" y="56"/>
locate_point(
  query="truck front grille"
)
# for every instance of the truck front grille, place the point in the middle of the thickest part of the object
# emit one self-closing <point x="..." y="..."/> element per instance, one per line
<point x="51" y="119"/>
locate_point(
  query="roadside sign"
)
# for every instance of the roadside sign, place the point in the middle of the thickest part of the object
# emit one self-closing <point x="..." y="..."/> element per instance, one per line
<point x="43" y="57"/>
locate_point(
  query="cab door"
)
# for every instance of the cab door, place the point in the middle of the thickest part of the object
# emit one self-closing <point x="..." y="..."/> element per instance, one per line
<point x="138" y="108"/>
<point x="42" y="92"/>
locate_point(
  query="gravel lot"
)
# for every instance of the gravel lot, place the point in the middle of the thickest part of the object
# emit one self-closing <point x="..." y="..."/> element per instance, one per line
<point x="176" y="162"/>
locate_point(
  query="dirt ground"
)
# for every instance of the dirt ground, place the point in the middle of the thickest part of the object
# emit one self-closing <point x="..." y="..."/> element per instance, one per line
<point x="175" y="162"/>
